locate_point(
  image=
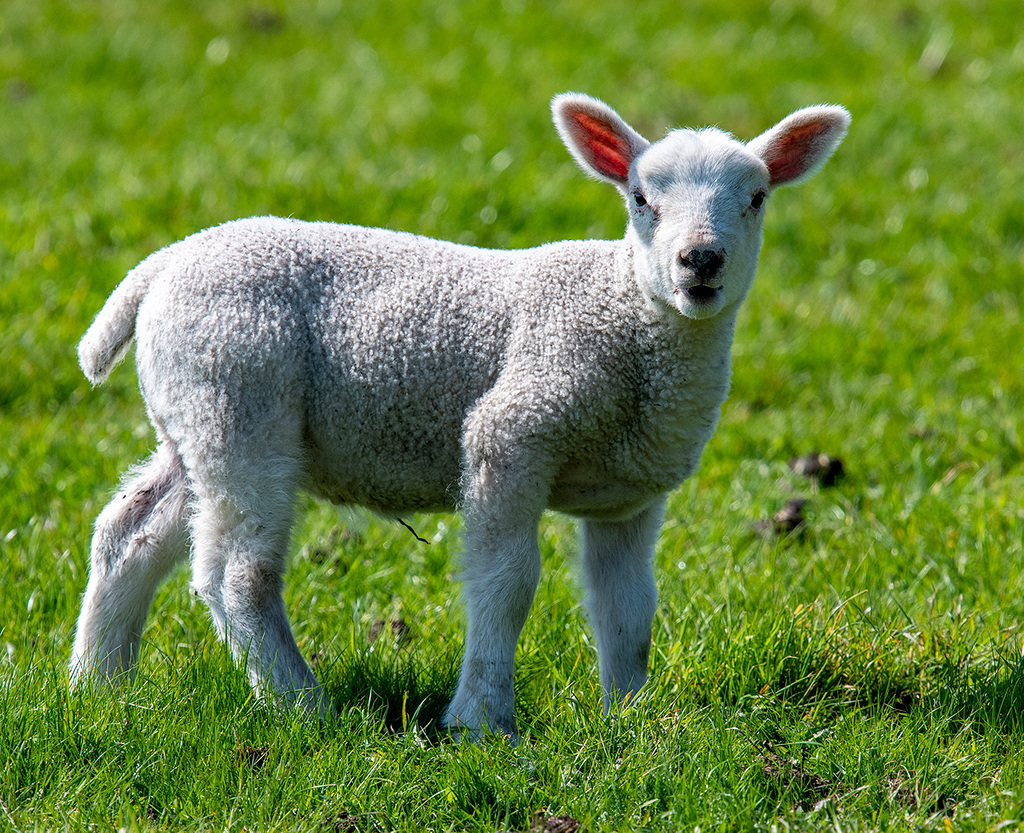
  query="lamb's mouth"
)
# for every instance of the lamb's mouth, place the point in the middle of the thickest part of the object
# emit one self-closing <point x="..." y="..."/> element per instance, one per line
<point x="701" y="293"/>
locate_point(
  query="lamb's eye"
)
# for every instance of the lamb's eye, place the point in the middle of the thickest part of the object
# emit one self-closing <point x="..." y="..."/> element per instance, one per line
<point x="758" y="200"/>
<point x="639" y="199"/>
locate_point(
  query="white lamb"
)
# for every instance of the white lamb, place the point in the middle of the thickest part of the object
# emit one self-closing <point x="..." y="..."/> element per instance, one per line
<point x="406" y="374"/>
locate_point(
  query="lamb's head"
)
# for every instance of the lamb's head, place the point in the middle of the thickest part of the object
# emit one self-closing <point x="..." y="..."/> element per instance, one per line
<point x="696" y="199"/>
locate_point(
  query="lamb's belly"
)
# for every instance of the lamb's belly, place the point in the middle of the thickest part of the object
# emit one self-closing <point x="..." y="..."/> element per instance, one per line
<point x="394" y="481"/>
<point x="388" y="497"/>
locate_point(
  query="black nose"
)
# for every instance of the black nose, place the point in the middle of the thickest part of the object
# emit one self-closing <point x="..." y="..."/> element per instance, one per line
<point x="704" y="262"/>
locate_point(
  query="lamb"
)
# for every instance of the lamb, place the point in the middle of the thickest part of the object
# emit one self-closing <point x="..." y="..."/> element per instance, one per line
<point x="406" y="374"/>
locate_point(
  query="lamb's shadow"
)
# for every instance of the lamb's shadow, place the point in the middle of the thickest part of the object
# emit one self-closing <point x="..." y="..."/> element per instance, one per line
<point x="395" y="687"/>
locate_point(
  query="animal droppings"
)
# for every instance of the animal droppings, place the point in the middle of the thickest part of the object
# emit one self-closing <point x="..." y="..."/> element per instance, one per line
<point x="817" y="466"/>
<point x="788" y="519"/>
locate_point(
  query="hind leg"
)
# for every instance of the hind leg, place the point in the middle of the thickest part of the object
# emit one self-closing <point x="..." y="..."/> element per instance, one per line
<point x="140" y="535"/>
<point x="240" y="549"/>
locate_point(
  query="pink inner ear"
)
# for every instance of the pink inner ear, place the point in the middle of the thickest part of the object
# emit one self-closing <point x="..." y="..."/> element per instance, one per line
<point x="610" y="152"/>
<point x="792" y="155"/>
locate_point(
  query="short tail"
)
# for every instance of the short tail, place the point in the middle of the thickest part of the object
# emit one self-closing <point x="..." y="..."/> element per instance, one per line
<point x="108" y="339"/>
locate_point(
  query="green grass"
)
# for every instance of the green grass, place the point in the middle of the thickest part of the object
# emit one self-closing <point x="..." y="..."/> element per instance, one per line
<point x="864" y="672"/>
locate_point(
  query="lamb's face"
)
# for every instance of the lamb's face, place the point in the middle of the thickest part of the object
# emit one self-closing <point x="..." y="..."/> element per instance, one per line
<point x="696" y="203"/>
<point x="695" y="198"/>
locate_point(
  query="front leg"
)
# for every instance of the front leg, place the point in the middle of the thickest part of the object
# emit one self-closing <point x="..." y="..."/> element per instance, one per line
<point x="500" y="577"/>
<point x="506" y="477"/>
<point x="618" y="572"/>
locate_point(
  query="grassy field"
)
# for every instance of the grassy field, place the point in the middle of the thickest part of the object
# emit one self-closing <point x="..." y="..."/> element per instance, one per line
<point x="861" y="672"/>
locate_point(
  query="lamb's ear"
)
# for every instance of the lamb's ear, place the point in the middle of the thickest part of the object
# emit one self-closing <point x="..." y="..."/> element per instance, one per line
<point x="799" y="144"/>
<point x="597" y="137"/>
